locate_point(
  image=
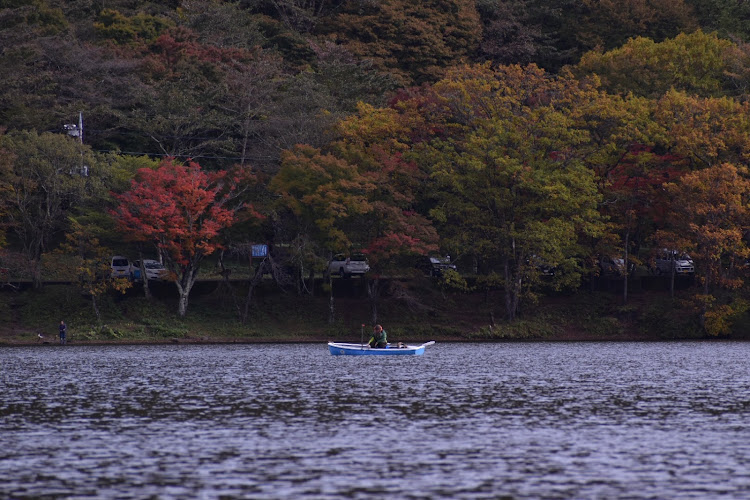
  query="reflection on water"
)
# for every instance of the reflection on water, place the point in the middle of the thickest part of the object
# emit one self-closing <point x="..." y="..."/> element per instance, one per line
<point x="562" y="420"/>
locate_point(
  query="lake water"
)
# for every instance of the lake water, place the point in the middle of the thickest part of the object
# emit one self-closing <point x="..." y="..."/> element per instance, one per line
<point x="530" y="420"/>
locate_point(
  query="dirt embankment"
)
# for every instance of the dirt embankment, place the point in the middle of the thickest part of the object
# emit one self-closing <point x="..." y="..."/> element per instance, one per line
<point x="410" y="315"/>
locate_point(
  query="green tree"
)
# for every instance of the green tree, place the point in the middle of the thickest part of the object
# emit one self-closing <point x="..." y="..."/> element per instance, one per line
<point x="510" y="185"/>
<point x="123" y="30"/>
<point x="729" y="18"/>
<point x="610" y="23"/>
<point x="46" y="186"/>
<point x="320" y="196"/>
<point x="381" y="143"/>
<point x="698" y="63"/>
<point x="92" y="265"/>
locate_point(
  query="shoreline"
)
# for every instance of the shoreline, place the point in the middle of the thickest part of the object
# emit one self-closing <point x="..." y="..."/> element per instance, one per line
<point x="437" y="339"/>
<point x="290" y="319"/>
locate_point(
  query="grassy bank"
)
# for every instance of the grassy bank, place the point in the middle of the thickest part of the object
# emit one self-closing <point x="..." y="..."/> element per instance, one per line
<point x="418" y="311"/>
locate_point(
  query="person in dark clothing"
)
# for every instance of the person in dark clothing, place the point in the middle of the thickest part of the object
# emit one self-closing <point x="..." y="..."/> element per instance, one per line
<point x="63" y="332"/>
<point x="379" y="337"/>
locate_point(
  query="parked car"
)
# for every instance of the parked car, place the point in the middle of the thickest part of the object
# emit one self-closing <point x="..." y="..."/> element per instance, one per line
<point x="666" y="260"/>
<point x="435" y="266"/>
<point x="121" y="267"/>
<point x="614" y="267"/>
<point x="541" y="266"/>
<point x="155" y="270"/>
<point x="345" y="266"/>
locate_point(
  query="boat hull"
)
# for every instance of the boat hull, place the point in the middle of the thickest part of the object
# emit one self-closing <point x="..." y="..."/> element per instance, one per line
<point x="344" y="349"/>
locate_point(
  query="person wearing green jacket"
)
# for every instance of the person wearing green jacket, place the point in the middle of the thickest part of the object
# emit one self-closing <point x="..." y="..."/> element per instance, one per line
<point x="379" y="337"/>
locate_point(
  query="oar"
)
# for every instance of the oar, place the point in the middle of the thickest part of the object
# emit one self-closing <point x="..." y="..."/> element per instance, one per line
<point x="428" y="343"/>
<point x="362" y="338"/>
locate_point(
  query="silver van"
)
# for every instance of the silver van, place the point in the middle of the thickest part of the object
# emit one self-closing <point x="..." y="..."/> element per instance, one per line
<point x="121" y="267"/>
<point x="666" y="260"/>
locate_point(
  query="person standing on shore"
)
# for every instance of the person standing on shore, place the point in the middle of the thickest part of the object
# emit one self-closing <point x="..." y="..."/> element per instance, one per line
<point x="63" y="332"/>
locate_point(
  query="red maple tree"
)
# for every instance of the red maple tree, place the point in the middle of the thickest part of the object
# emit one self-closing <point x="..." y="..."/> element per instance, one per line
<point x="182" y="210"/>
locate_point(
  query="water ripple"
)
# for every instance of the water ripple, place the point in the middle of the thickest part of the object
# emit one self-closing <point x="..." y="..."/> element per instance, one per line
<point x="578" y="420"/>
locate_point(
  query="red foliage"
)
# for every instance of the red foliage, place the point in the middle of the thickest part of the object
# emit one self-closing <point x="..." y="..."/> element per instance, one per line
<point x="180" y="45"/>
<point x="178" y="207"/>
<point x="640" y="177"/>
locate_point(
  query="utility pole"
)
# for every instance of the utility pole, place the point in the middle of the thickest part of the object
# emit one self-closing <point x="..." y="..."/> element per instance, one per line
<point x="74" y="130"/>
<point x="80" y="127"/>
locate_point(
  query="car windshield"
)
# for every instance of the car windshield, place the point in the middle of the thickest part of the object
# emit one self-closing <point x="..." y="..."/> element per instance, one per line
<point x="153" y="265"/>
<point x="120" y="262"/>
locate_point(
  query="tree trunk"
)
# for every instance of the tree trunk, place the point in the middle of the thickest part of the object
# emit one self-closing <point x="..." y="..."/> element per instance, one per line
<point x="182" y="306"/>
<point x="671" y="274"/>
<point x="183" y="288"/>
<point x="331" y="309"/>
<point x="626" y="271"/>
<point x="373" y="289"/>
<point x="510" y="285"/>
<point x="95" y="304"/>
<point x="257" y="278"/>
<point x="36" y="272"/>
<point x="245" y="138"/>
<point x="517" y="282"/>
<point x="311" y="280"/>
<point x="144" y="276"/>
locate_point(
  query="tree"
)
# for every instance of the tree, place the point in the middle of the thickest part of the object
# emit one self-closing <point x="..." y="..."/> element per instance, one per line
<point x="180" y="111"/>
<point x="709" y="213"/>
<point x="322" y="191"/>
<point x="698" y="63"/>
<point x="633" y="198"/>
<point x="45" y="186"/>
<point x="414" y="41"/>
<point x="510" y="184"/>
<point x="380" y="142"/>
<point x="183" y="210"/>
<point x="322" y="195"/>
<point x="508" y="37"/>
<point x="363" y="195"/>
<point x="27" y="80"/>
<point x="514" y="210"/>
<point x="707" y="131"/>
<point x="729" y="18"/>
<point x="142" y="28"/>
<point x="6" y="172"/>
<point x="610" y="23"/>
<point x="92" y="264"/>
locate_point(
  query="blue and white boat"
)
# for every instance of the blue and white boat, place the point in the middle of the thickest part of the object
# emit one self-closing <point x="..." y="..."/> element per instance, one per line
<point x="344" y="349"/>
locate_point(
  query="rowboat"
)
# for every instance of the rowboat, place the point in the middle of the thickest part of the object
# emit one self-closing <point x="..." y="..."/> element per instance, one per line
<point x="342" y="348"/>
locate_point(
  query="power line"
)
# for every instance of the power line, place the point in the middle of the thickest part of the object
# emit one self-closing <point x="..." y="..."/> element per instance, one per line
<point x="162" y="155"/>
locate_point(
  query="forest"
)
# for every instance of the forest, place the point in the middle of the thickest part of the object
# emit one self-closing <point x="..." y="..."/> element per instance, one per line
<point x="527" y="139"/>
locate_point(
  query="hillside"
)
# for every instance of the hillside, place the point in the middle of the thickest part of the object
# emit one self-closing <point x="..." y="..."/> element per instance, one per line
<point x="538" y="144"/>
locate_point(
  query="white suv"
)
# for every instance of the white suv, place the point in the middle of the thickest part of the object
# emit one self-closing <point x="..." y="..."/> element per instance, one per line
<point x="682" y="263"/>
<point x="346" y="266"/>
<point x="155" y="271"/>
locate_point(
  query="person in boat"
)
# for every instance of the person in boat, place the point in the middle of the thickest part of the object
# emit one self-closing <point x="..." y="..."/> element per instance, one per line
<point x="379" y="337"/>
